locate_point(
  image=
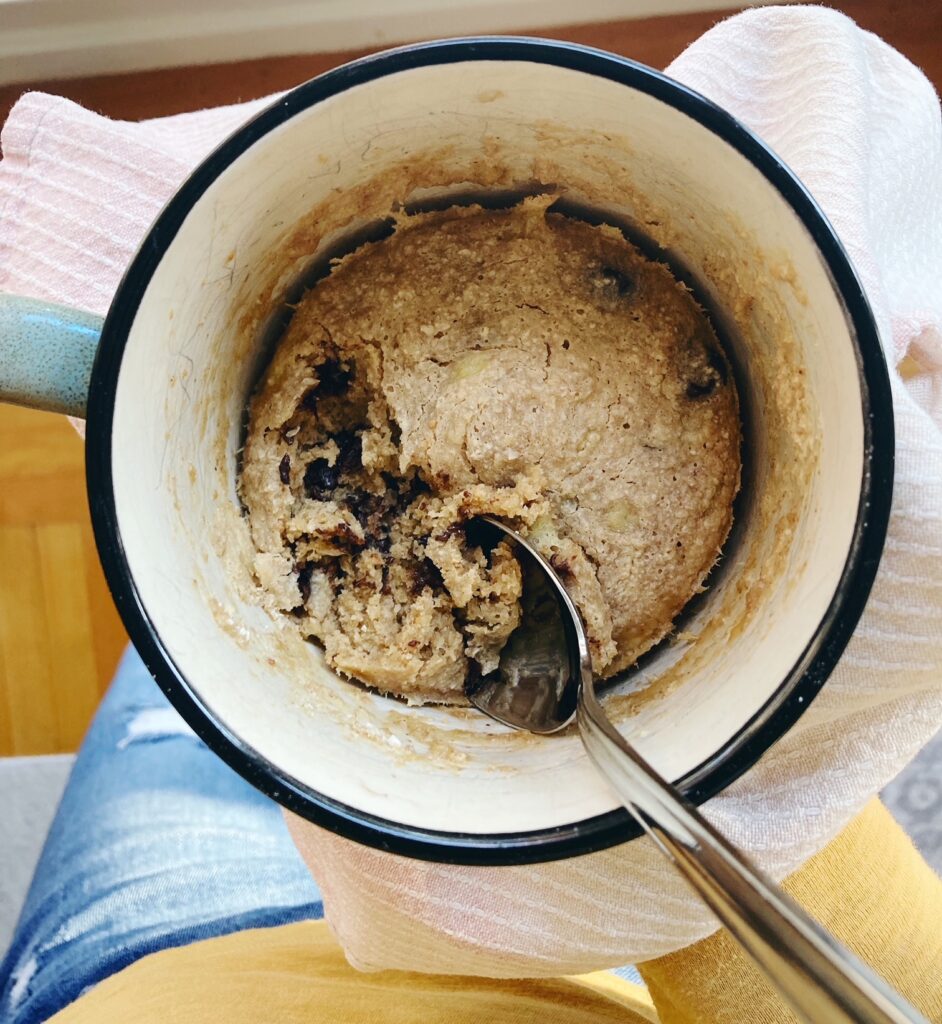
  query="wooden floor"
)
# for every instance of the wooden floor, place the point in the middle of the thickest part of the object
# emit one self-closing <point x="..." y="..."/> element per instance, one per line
<point x="59" y="635"/>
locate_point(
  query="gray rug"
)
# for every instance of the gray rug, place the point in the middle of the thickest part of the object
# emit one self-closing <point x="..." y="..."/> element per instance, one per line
<point x="30" y="788"/>
<point x="914" y="798"/>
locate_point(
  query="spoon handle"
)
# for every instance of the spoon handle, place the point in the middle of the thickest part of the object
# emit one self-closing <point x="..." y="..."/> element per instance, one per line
<point x="818" y="977"/>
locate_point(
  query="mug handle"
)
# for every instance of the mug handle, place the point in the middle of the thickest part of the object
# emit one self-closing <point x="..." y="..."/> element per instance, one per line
<point x="46" y="354"/>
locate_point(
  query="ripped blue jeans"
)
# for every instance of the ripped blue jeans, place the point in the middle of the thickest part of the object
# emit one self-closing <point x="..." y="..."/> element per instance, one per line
<point x="156" y="843"/>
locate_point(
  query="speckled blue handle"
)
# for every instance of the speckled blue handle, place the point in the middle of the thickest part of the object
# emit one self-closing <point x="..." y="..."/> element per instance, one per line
<point x="46" y="354"/>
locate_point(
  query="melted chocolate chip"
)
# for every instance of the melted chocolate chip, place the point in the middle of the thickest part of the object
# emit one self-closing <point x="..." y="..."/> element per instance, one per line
<point x="304" y="582"/>
<point x="426" y="574"/>
<point x="343" y="536"/>
<point x="363" y="505"/>
<point x="618" y="281"/>
<point x="450" y="531"/>
<point x="350" y="451"/>
<point x="701" y="388"/>
<point x="370" y="511"/>
<point x="333" y="570"/>
<point x="320" y="479"/>
<point x="284" y="469"/>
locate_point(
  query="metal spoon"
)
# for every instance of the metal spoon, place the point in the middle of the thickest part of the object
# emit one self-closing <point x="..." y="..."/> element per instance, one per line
<point x="544" y="682"/>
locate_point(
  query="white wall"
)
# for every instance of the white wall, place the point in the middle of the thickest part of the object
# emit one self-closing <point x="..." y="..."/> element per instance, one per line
<point x="68" y="38"/>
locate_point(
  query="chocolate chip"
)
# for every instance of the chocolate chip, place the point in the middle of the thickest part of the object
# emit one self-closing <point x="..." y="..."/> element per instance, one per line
<point x="618" y="281"/>
<point x="362" y="505"/>
<point x="370" y="511"/>
<point x="350" y="451"/>
<point x="343" y="535"/>
<point x="304" y="582"/>
<point x="320" y="479"/>
<point x="450" y="531"/>
<point x="333" y="570"/>
<point x="426" y="574"/>
<point x="381" y="542"/>
<point x="284" y="469"/>
<point x="701" y="388"/>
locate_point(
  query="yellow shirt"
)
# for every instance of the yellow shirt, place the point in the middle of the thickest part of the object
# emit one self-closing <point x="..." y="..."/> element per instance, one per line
<point x="869" y="887"/>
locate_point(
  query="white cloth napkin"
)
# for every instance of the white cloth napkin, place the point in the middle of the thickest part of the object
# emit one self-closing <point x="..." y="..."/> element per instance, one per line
<point x="861" y="127"/>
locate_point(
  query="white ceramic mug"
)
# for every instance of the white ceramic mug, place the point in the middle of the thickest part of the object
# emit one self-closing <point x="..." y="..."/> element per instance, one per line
<point x="185" y="339"/>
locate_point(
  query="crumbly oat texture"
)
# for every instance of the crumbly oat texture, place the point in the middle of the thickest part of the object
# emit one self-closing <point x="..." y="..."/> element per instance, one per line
<point x="515" y="362"/>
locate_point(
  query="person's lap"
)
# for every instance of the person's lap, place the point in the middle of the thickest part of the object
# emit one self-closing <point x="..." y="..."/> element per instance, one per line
<point x="156" y="843"/>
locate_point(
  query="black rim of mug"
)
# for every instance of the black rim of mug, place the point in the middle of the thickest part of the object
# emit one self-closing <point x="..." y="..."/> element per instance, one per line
<point x="796" y="690"/>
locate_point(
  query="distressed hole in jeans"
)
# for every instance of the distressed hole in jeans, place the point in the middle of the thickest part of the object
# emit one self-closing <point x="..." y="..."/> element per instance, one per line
<point x="151" y="725"/>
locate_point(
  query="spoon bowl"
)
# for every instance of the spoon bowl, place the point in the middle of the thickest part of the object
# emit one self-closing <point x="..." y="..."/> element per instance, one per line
<point x="536" y="686"/>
